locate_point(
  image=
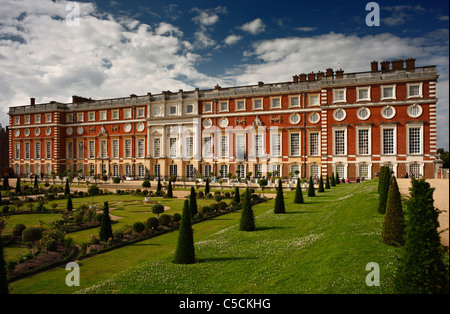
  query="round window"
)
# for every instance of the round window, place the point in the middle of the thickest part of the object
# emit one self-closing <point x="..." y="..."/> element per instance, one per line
<point x="207" y="123"/>
<point x="339" y="114"/>
<point x="363" y="113"/>
<point x="48" y="131"/>
<point x="314" y="117"/>
<point x="415" y="111"/>
<point x="17" y="133"/>
<point x="69" y="131"/>
<point x="127" y="128"/>
<point x="37" y="131"/>
<point x="80" y="130"/>
<point x="388" y="112"/>
<point x="223" y="122"/>
<point x="294" y="118"/>
<point x="140" y="127"/>
<point x="27" y="132"/>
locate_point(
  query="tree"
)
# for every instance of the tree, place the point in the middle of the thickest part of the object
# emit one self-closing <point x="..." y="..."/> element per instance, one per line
<point x="3" y="278"/>
<point x="185" y="251"/>
<point x="158" y="186"/>
<point x="193" y="203"/>
<point x="311" y="192"/>
<point x="18" y="190"/>
<point x="207" y="186"/>
<point x="444" y="157"/>
<point x="5" y="185"/>
<point x="421" y="269"/>
<point x="298" y="193"/>
<point x="394" y="222"/>
<point x="333" y="182"/>
<point x="67" y="188"/>
<point x="69" y="206"/>
<point x="327" y="183"/>
<point x="169" y="189"/>
<point x="383" y="189"/>
<point x="158" y="209"/>
<point x="32" y="234"/>
<point x="36" y="185"/>
<point x="237" y="197"/>
<point x="247" y="222"/>
<point x="262" y="183"/>
<point x="321" y="188"/>
<point x="337" y="180"/>
<point x="279" y="200"/>
<point x="105" y="225"/>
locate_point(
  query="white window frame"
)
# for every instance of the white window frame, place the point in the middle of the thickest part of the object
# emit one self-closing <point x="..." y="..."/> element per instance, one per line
<point x="312" y="103"/>
<point x="189" y="149"/>
<point x="173" y="142"/>
<point x="224" y="146"/>
<point x="297" y="97"/>
<point x="241" y="146"/>
<point x="48" y="117"/>
<point x="237" y="105"/>
<point x="91" y="149"/>
<point x="358" y="89"/>
<point x="258" y="145"/>
<point x="226" y="107"/>
<point x="394" y="134"/>
<point x="37" y="150"/>
<point x="115" y="149"/>
<point x="408" y="91"/>
<point x="410" y="126"/>
<point x="140" y="143"/>
<point x="369" y="140"/>
<point x="115" y="114"/>
<point x="210" y="107"/>
<point x="275" y="144"/>
<point x="316" y="152"/>
<point x="80" y="117"/>
<point x="127" y="143"/>
<point x="103" y="115"/>
<point x="291" y="152"/>
<point x="48" y="150"/>
<point x="69" y="153"/>
<point x="339" y="90"/>
<point x="140" y="112"/>
<point x="91" y="116"/>
<point x="276" y="104"/>
<point x="156" y="147"/>
<point x="388" y="97"/>
<point x="207" y="146"/>
<point x="80" y="149"/>
<point x="254" y="101"/>
<point x="344" y="128"/>
<point x="127" y="113"/>
<point x="37" y="118"/>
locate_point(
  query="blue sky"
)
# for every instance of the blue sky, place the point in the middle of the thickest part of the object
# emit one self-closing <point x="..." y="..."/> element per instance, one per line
<point x="124" y="47"/>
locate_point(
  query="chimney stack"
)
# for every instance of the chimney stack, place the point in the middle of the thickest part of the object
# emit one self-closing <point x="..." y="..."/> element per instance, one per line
<point x="295" y="79"/>
<point x="32" y="101"/>
<point x="339" y="73"/>
<point x="397" y="64"/>
<point x="374" y="66"/>
<point x="384" y="66"/>
<point x="410" y="64"/>
<point x="329" y="72"/>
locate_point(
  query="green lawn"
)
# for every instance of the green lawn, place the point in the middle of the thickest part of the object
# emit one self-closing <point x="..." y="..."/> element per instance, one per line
<point x="322" y="246"/>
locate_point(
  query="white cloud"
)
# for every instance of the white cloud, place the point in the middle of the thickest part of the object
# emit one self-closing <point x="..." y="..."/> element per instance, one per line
<point x="400" y="14"/>
<point x="254" y="27"/>
<point x="306" y="29"/>
<point x="208" y="17"/>
<point x="232" y="39"/>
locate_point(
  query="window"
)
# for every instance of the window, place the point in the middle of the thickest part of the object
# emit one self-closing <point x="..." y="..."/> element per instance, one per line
<point x="207" y="123"/>
<point x="363" y="171"/>
<point x="339" y="95"/>
<point x="258" y="170"/>
<point x="127" y="148"/>
<point x="240" y="146"/>
<point x="223" y="171"/>
<point x="275" y="141"/>
<point x="69" y="117"/>
<point x="27" y="150"/>
<point x="157" y="170"/>
<point x="189" y="146"/>
<point x="275" y="103"/>
<point x="241" y="173"/>
<point x="415" y="111"/>
<point x="91" y="146"/>
<point x="48" y="117"/>
<point x="314" y="117"/>
<point x="102" y="115"/>
<point x="258" y="144"/>
<point x="240" y="105"/>
<point x="339" y="142"/>
<point x="80" y="150"/>
<point x="37" y="118"/>
<point x="173" y="110"/>
<point x="189" y="109"/>
<point x="388" y="141"/>
<point x="127" y="113"/>
<point x="48" y="150"/>
<point x="294" y="118"/>
<point x="115" y="148"/>
<point x="257" y="104"/>
<point x="295" y="144"/>
<point x="276" y="170"/>
<point x="69" y="150"/>
<point x="363" y="113"/>
<point x="115" y="171"/>
<point x="207" y="107"/>
<point x="141" y="171"/>
<point x="128" y="170"/>
<point x="388" y="112"/>
<point x="27" y="119"/>
<point x="140" y="112"/>
<point x="37" y="150"/>
<point x="157" y="111"/>
<point x="363" y="142"/>
<point x="340" y="170"/>
<point x="80" y="117"/>
<point x="141" y="148"/>
<point x="103" y="149"/>
<point x="223" y="106"/>
<point x="223" y="146"/>
<point x="173" y="147"/>
<point x="115" y="114"/>
<point x="173" y="170"/>
<point x="414" y="90"/>
<point x="295" y="170"/>
<point x="17" y="150"/>
<point x="207" y="170"/>
<point x="415" y="170"/>
<point x="314" y="170"/>
<point x="294" y="101"/>
<point x="17" y="120"/>
<point x="189" y="171"/>
<point x="414" y="134"/>
<point x="388" y="92"/>
<point x="313" y="100"/>
<point x="156" y="147"/>
<point x="314" y="144"/>
<point x="207" y="146"/>
<point x="339" y="114"/>
<point x="362" y="93"/>
<point x="91" y="116"/>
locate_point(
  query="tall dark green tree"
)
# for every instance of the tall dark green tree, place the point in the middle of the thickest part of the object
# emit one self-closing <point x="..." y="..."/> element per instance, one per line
<point x="311" y="192"/>
<point x="393" y="230"/>
<point x="321" y="188"/>
<point x="327" y="183"/>
<point x="36" y="185"/>
<point x="298" y="193"/>
<point x="18" y="189"/>
<point x="193" y="203"/>
<point x="3" y="279"/>
<point x="237" y="197"/>
<point x="169" y="189"/>
<point x="247" y="222"/>
<point x="185" y="251"/>
<point x="333" y="182"/>
<point x="279" y="200"/>
<point x="105" y="225"/>
<point x="207" y="186"/>
<point x="159" y="186"/>
<point x="421" y="269"/>
<point x="5" y="185"/>
<point x="337" y="180"/>
<point x="384" y="183"/>
<point x="69" y="205"/>
<point x="67" y="188"/>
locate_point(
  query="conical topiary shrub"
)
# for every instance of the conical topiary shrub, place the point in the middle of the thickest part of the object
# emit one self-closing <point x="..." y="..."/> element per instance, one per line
<point x="394" y="222"/>
<point x="337" y="180"/>
<point x="105" y="225"/>
<point x="247" y="222"/>
<point x="185" y="251"/>
<point x="311" y="192"/>
<point x="279" y="200"/>
<point x="193" y="203"/>
<point x="327" y="183"/>
<point x="298" y="193"/>
<point x="169" y="189"/>
<point x="321" y="188"/>
<point x="333" y="182"/>
<point x="383" y="189"/>
<point x="237" y="197"/>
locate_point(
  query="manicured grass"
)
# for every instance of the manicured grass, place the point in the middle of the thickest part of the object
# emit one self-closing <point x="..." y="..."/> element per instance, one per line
<point x="322" y="246"/>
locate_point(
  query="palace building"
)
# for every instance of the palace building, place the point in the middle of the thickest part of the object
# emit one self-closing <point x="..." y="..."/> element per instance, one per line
<point x="316" y="124"/>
